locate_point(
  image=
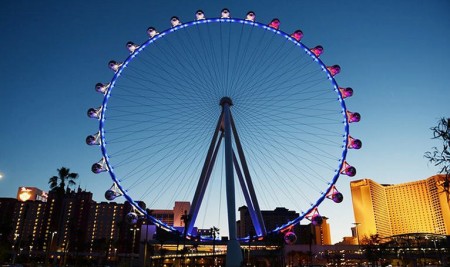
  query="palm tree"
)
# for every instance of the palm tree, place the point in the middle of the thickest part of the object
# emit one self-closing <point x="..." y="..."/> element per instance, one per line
<point x="64" y="176"/>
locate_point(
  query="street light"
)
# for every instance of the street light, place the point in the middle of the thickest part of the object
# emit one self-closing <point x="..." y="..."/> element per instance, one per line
<point x="50" y="246"/>
<point x="214" y="232"/>
<point x="51" y="240"/>
<point x="186" y="218"/>
<point x="134" y="229"/>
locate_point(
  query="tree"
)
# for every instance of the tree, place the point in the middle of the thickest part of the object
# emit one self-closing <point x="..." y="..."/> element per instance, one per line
<point x="64" y="176"/>
<point x="371" y="247"/>
<point x="441" y="158"/>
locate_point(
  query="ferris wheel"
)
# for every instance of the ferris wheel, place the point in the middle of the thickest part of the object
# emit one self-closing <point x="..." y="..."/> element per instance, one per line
<point x="224" y="112"/>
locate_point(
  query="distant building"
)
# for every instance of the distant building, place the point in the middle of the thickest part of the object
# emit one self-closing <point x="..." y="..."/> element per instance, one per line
<point x="172" y="217"/>
<point x="71" y="223"/>
<point x="306" y="234"/>
<point x="66" y="221"/>
<point x="29" y="220"/>
<point x="272" y="219"/>
<point x="315" y="234"/>
<point x="415" y="207"/>
<point x="322" y="233"/>
<point x="21" y="222"/>
<point x="103" y="227"/>
<point x="31" y="193"/>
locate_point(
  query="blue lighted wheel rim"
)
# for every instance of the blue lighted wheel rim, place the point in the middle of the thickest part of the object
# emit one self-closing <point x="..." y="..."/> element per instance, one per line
<point x="154" y="42"/>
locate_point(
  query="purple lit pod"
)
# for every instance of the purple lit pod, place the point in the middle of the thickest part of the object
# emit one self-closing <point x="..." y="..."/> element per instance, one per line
<point x="225" y="13"/>
<point x="318" y="50"/>
<point x="132" y="218"/>
<point x="151" y="31"/>
<point x="275" y="23"/>
<point x="346" y="92"/>
<point x="348" y="170"/>
<point x="114" y="66"/>
<point x="102" y="87"/>
<point x="353" y="116"/>
<point x="290" y="238"/>
<point x="99" y="167"/>
<point x="354" y="143"/>
<point x="175" y="21"/>
<point x="334" y="70"/>
<point x="337" y="197"/>
<point x="110" y="195"/>
<point x="250" y="16"/>
<point x="297" y="35"/>
<point x="132" y="47"/>
<point x="199" y="15"/>
<point x="316" y="220"/>
<point x="93" y="139"/>
<point x="94" y="113"/>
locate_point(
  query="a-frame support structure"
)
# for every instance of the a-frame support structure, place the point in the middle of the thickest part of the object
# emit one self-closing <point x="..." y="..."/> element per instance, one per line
<point x="226" y="130"/>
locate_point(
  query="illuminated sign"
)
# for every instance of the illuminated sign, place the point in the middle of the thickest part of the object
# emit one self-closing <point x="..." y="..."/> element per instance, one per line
<point x="31" y="193"/>
<point x="25" y="194"/>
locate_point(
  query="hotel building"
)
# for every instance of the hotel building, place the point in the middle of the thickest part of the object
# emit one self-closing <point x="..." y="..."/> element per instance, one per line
<point x="415" y="207"/>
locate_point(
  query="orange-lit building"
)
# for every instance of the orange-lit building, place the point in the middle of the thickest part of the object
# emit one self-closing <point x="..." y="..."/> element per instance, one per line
<point x="172" y="217"/>
<point x="415" y="207"/>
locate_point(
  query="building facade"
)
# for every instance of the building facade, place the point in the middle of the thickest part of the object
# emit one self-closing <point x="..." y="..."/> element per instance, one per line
<point x="415" y="207"/>
<point x="306" y="234"/>
<point x="102" y="232"/>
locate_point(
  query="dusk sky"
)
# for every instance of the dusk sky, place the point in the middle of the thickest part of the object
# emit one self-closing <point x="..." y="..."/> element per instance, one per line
<point x="394" y="54"/>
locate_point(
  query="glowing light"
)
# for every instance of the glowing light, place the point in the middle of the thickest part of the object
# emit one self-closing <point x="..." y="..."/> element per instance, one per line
<point x="175" y="21"/>
<point x="353" y="116"/>
<point x="346" y="92"/>
<point x="318" y="50"/>
<point x="334" y="70"/>
<point x="225" y="13"/>
<point x="199" y="15"/>
<point x="275" y="24"/>
<point x="24" y="194"/>
<point x="250" y="16"/>
<point x="297" y="35"/>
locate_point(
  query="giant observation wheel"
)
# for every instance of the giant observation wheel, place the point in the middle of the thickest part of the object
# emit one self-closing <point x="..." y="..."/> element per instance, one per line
<point x="179" y="94"/>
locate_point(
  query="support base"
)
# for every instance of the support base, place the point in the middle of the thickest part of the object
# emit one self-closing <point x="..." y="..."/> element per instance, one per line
<point x="234" y="254"/>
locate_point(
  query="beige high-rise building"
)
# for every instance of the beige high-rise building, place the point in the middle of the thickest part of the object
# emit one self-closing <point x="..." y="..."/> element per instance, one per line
<point x="415" y="207"/>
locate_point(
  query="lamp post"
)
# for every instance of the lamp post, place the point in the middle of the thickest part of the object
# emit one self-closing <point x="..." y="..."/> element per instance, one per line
<point x="214" y="231"/>
<point x="186" y="218"/>
<point x="134" y="229"/>
<point x="50" y="246"/>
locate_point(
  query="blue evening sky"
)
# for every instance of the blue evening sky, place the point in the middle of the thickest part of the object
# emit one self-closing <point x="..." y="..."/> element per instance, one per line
<point x="394" y="54"/>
